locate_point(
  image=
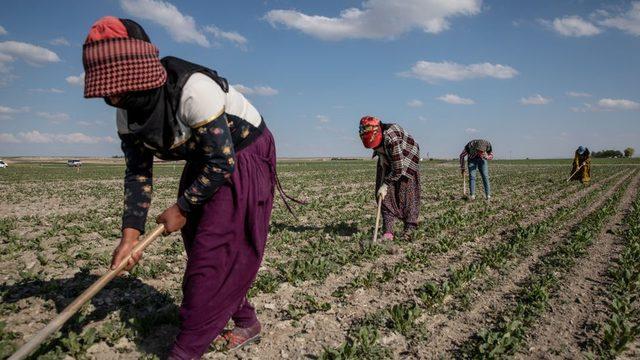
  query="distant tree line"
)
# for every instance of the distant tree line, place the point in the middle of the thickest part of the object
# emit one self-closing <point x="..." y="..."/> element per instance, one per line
<point x="628" y="152"/>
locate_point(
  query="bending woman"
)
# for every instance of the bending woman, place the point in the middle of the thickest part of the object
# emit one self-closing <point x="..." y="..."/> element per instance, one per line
<point x="581" y="168"/>
<point x="397" y="175"/>
<point x="176" y="110"/>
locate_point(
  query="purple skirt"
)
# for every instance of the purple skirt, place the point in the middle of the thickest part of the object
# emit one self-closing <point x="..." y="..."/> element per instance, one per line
<point x="225" y="242"/>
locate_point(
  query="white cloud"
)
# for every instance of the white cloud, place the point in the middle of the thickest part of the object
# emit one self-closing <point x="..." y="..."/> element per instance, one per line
<point x="628" y="22"/>
<point x="264" y="91"/>
<point x="378" y="19"/>
<point x="323" y="119"/>
<point x="54" y="117"/>
<point x="414" y="103"/>
<point x="181" y="28"/>
<point x="456" y="100"/>
<point x="3" y="31"/>
<point x="587" y="107"/>
<point x="8" y="138"/>
<point x="572" y="26"/>
<point x="49" y="90"/>
<point x="7" y="113"/>
<point x="256" y="90"/>
<point x="8" y="110"/>
<point x="618" y="104"/>
<point x="89" y="123"/>
<point x="432" y="72"/>
<point x="471" y="130"/>
<point x="76" y="80"/>
<point x="31" y="54"/>
<point x="536" y="99"/>
<point x="60" y="41"/>
<point x="36" y="137"/>
<point x="576" y="94"/>
<point x="232" y="36"/>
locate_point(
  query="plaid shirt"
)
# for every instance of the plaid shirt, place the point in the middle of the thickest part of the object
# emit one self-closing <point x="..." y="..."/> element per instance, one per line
<point x="475" y="149"/>
<point x="402" y="152"/>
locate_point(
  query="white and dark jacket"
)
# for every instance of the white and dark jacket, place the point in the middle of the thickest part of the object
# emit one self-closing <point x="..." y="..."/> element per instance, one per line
<point x="211" y="122"/>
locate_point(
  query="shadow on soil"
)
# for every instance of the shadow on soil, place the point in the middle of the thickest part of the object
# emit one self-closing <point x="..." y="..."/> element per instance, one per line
<point x="147" y="315"/>
<point x="341" y="229"/>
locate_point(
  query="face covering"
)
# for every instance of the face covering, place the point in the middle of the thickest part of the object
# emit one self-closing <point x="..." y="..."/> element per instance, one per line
<point x="149" y="116"/>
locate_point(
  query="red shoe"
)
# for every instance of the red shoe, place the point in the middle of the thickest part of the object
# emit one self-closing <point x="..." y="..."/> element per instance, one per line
<point x="238" y="337"/>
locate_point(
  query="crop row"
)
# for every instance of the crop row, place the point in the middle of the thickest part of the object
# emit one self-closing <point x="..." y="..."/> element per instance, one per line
<point x="532" y="301"/>
<point x="444" y="243"/>
<point x="402" y="316"/>
<point x="318" y="259"/>
<point x="623" y="325"/>
<point x="419" y="256"/>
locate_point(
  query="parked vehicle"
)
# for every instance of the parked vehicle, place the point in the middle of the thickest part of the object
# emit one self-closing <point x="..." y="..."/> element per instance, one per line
<point x="3" y="164"/>
<point x="74" y="163"/>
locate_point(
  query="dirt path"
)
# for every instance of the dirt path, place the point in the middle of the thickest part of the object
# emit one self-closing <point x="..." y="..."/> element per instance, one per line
<point x="450" y="331"/>
<point x="564" y="330"/>
<point x="297" y="339"/>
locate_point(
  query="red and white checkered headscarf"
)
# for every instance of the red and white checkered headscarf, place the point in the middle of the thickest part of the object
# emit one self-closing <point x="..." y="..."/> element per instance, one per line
<point x="116" y="63"/>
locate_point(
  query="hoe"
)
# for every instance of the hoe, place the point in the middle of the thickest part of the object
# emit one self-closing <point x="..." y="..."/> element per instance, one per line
<point x="464" y="185"/>
<point x="375" y="231"/>
<point x="68" y="312"/>
<point x="575" y="172"/>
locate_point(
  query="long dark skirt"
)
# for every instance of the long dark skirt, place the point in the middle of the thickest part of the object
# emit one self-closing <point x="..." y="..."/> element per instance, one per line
<point x="402" y="203"/>
<point x="225" y="243"/>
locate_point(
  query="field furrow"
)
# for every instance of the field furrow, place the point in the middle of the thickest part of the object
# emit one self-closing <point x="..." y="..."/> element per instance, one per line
<point x="321" y="291"/>
<point x="531" y="299"/>
<point x="564" y="330"/>
<point x="363" y="304"/>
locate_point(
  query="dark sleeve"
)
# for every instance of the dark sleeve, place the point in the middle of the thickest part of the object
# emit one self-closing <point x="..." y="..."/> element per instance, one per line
<point x="461" y="157"/>
<point x="137" y="182"/>
<point x="217" y="155"/>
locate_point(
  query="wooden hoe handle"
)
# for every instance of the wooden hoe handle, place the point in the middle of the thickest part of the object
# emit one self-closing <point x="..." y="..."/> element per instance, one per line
<point x="464" y="184"/>
<point x="70" y="310"/>
<point x="575" y="172"/>
<point x="375" y="231"/>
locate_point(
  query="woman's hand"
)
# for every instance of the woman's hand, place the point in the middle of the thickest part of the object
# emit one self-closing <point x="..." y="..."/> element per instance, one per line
<point x="173" y="219"/>
<point x="130" y="238"/>
<point x="382" y="191"/>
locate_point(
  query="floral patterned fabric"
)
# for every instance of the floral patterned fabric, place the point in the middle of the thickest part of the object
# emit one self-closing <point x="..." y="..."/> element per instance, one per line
<point x="399" y="168"/>
<point x="211" y="146"/>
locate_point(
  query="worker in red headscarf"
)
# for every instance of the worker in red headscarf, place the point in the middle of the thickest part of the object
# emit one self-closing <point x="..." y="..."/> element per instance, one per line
<point x="398" y="172"/>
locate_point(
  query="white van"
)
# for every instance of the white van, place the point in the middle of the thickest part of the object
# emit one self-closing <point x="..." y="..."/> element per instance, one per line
<point x="3" y="164"/>
<point x="74" y="163"/>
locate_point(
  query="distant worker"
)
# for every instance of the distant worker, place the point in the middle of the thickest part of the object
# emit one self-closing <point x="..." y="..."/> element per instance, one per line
<point x="397" y="175"/>
<point x="581" y="169"/>
<point x="478" y="152"/>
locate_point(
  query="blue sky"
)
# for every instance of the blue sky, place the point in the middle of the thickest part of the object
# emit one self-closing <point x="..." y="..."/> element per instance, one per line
<point x="536" y="78"/>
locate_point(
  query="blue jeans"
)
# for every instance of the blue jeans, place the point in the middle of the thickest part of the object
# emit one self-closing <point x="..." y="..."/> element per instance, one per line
<point x="482" y="165"/>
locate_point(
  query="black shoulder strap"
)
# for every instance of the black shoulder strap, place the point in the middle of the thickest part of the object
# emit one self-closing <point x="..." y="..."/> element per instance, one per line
<point x="179" y="71"/>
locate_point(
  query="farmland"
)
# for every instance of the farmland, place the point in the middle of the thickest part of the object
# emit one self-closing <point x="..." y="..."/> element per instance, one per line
<point x="547" y="269"/>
